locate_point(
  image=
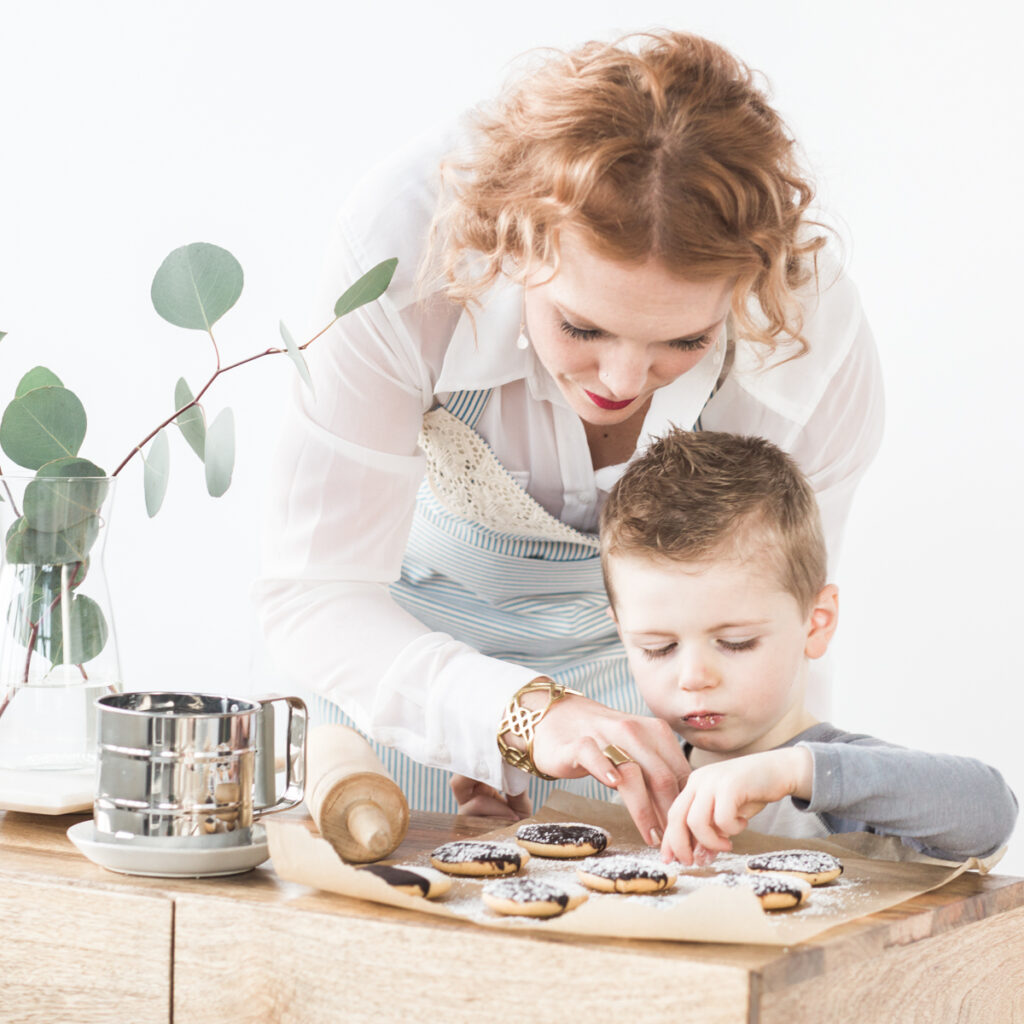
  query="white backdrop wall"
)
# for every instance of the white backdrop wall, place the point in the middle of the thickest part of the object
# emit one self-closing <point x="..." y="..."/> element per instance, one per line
<point x="129" y="129"/>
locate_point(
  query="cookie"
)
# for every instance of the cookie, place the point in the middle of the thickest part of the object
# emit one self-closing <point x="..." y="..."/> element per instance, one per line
<point x="623" y="873"/>
<point x="414" y="881"/>
<point x="562" y="839"/>
<point x="811" y="865"/>
<point x="528" y="897"/>
<point x="479" y="858"/>
<point x="776" y="892"/>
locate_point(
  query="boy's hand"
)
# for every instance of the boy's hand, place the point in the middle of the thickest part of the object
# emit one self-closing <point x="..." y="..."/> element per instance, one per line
<point x="719" y="799"/>
<point x="475" y="797"/>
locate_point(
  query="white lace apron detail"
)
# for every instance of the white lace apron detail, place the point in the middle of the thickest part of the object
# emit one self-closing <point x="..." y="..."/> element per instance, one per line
<point x="468" y="480"/>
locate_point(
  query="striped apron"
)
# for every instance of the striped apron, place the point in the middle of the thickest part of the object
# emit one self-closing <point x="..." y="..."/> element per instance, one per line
<point x="534" y="597"/>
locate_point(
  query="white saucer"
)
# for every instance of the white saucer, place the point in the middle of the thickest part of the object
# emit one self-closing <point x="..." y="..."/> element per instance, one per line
<point x="159" y="863"/>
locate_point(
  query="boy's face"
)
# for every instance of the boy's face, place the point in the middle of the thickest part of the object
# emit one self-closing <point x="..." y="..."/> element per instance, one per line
<point x="718" y="649"/>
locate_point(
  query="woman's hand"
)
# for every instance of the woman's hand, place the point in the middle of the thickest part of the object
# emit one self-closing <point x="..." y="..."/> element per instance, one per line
<point x="719" y="799"/>
<point x="478" y="798"/>
<point x="570" y="742"/>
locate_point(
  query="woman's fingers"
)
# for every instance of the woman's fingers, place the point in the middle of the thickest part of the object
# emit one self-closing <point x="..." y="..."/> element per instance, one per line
<point x="485" y="806"/>
<point x="652" y="745"/>
<point x="477" y="798"/>
<point x="521" y="804"/>
<point x="647" y="788"/>
<point x="463" y="787"/>
<point x="638" y="756"/>
<point x="627" y="778"/>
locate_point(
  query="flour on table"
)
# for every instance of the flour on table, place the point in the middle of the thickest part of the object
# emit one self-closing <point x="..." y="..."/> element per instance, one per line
<point x="834" y="898"/>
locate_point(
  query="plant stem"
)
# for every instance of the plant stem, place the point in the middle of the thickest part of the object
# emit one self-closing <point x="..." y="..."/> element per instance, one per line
<point x="34" y="632"/>
<point x="10" y="498"/>
<point x="216" y="373"/>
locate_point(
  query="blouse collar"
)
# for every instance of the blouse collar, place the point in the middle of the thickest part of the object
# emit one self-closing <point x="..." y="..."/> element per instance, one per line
<point x="482" y="352"/>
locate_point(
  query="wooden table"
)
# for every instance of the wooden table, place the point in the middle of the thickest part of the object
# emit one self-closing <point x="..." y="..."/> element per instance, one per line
<point x="79" y="944"/>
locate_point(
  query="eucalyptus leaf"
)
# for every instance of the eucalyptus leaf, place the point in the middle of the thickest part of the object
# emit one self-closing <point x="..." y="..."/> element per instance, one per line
<point x="25" y="546"/>
<point x="37" y="377"/>
<point x="296" y="357"/>
<point x="220" y="453"/>
<point x="39" y="591"/>
<point x="192" y="422"/>
<point x="157" y="467"/>
<point x="28" y="599"/>
<point x="55" y="504"/>
<point x="72" y="466"/>
<point x="44" y="424"/>
<point x="196" y="285"/>
<point x="369" y="287"/>
<point x="88" y="632"/>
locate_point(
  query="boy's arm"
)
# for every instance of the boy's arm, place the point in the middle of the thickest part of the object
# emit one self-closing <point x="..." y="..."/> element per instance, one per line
<point x="945" y="806"/>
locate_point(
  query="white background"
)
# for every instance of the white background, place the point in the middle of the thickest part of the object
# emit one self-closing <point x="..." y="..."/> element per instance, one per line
<point x="127" y="129"/>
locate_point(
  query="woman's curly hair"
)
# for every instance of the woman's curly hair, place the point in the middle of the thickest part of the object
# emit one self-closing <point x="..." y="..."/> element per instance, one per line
<point x="660" y="145"/>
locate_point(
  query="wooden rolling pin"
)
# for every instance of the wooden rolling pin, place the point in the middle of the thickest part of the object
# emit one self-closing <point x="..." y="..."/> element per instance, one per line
<point x="356" y="805"/>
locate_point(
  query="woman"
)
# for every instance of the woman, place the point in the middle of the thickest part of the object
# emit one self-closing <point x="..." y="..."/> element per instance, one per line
<point x="621" y="244"/>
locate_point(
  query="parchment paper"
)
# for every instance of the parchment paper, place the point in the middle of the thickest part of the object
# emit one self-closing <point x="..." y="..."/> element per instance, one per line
<point x="878" y="873"/>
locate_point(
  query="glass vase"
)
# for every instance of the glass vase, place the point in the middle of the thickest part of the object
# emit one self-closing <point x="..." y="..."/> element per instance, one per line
<point x="58" y="649"/>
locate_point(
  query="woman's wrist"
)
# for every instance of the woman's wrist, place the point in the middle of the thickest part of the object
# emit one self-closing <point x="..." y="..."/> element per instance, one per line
<point x="523" y="713"/>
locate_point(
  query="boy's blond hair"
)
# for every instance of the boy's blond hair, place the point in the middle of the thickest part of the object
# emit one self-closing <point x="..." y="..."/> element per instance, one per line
<point x="698" y="496"/>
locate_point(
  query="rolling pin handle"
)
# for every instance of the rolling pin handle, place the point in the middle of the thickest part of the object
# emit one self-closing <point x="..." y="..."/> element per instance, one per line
<point x="369" y="826"/>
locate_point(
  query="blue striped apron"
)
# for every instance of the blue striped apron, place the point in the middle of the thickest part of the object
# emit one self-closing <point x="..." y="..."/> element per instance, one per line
<point x="533" y="602"/>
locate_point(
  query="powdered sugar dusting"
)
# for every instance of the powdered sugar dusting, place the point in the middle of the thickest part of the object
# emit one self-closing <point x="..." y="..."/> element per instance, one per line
<point x="838" y="897"/>
<point x="808" y="862"/>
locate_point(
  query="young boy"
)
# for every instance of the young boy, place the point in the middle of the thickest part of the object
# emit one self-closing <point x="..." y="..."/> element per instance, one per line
<point x="716" y="571"/>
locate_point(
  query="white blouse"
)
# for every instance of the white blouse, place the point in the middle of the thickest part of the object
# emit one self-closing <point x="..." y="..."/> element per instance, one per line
<point x="348" y="466"/>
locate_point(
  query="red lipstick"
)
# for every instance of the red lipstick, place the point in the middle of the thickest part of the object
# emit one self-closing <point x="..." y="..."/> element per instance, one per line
<point x="607" y="403"/>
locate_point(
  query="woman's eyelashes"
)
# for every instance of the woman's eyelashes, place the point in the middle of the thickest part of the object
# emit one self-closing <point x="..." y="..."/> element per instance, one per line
<point x="581" y="333"/>
<point x="690" y="344"/>
<point x="592" y="333"/>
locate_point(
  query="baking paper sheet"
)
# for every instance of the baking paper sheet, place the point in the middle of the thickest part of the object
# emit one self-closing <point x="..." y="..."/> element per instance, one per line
<point x="878" y="873"/>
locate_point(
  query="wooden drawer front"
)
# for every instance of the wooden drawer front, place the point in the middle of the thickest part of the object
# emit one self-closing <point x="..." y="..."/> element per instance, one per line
<point x="69" y="953"/>
<point x="974" y="975"/>
<point x="263" y="963"/>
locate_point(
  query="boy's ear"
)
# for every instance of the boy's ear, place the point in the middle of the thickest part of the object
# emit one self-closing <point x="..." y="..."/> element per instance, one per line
<point x="822" y="621"/>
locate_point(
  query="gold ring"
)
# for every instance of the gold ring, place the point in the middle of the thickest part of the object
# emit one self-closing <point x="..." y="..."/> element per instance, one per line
<point x="617" y="756"/>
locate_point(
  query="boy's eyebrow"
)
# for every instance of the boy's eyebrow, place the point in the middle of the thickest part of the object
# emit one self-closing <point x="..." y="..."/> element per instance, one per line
<point x="587" y="324"/>
<point x="746" y="624"/>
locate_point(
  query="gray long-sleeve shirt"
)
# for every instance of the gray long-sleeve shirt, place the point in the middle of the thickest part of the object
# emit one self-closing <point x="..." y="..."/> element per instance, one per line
<point x="942" y="805"/>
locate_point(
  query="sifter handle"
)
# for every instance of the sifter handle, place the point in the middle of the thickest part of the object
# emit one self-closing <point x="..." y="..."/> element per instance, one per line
<point x="295" y="759"/>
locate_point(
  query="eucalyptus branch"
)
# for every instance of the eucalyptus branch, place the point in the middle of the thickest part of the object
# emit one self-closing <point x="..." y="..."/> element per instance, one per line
<point x="202" y="391"/>
<point x="43" y="427"/>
